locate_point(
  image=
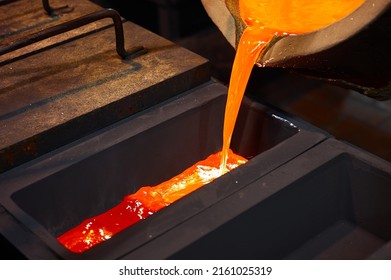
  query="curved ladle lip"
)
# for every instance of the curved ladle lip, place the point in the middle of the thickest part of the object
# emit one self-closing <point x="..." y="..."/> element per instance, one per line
<point x="288" y="47"/>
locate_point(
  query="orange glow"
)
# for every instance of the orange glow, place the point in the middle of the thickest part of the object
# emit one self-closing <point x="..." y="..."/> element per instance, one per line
<point x="295" y="16"/>
<point x="145" y="202"/>
<point x="264" y="19"/>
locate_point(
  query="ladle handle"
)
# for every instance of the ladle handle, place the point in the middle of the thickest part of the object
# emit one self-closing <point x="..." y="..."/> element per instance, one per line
<point x="76" y="23"/>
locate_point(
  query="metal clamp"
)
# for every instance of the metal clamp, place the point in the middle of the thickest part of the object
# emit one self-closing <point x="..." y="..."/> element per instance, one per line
<point x="46" y="6"/>
<point x="76" y="23"/>
<point x="51" y="11"/>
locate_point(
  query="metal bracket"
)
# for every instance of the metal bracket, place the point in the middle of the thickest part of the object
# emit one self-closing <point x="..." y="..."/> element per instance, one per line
<point x="76" y="23"/>
<point x="51" y="11"/>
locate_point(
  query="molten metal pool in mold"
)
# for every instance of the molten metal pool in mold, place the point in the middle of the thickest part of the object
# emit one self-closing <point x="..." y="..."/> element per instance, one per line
<point x="44" y="198"/>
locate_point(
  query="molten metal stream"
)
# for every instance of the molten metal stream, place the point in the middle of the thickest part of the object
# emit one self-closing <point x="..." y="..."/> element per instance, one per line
<point x="264" y="19"/>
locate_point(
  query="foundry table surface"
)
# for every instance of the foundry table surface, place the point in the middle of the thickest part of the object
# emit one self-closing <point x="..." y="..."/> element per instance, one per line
<point x="62" y="91"/>
<point x="21" y="18"/>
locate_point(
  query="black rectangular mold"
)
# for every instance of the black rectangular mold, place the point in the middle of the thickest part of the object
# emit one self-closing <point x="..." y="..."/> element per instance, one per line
<point x="48" y="196"/>
<point x="331" y="202"/>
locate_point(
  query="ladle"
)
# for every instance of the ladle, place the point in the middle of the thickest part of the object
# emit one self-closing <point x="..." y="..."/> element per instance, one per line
<point x="353" y="52"/>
